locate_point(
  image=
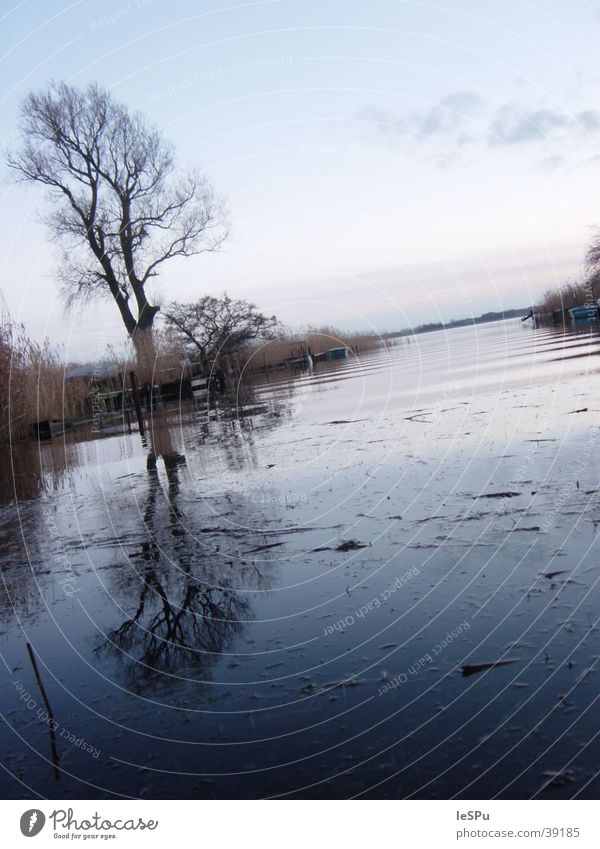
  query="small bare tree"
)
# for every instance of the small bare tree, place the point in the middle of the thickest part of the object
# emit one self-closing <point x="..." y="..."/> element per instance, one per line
<point x="218" y="326"/>
<point x="119" y="207"/>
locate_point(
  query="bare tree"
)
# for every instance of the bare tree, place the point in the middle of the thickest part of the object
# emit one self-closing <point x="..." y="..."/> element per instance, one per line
<point x="592" y="265"/>
<point x="119" y="206"/>
<point x="592" y="256"/>
<point x="217" y="326"/>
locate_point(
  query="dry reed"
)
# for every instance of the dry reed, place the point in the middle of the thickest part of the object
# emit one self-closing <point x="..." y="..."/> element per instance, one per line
<point x="564" y="297"/>
<point x="316" y="340"/>
<point x="32" y="384"/>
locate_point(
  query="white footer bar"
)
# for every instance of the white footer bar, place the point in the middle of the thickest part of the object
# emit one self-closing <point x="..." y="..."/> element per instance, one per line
<point x="301" y="824"/>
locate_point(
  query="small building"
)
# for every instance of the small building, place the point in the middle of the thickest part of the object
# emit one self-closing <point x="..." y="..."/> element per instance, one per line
<point x="106" y="388"/>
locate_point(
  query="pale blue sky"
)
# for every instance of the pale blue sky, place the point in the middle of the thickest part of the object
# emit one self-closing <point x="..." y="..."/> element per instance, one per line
<point x="385" y="163"/>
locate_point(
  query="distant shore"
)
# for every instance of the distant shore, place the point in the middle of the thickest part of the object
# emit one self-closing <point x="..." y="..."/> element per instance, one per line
<point x="484" y="318"/>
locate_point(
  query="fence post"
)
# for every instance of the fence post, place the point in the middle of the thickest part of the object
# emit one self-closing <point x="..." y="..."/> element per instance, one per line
<point x="136" y="401"/>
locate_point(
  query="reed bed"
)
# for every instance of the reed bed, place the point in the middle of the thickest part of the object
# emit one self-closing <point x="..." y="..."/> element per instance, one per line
<point x="33" y="387"/>
<point x="163" y="365"/>
<point x="271" y="353"/>
<point x="564" y="297"/>
<point x="32" y="384"/>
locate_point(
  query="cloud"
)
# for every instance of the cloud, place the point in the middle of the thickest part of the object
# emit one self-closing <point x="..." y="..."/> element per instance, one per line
<point x="510" y="126"/>
<point x="445" y="119"/>
<point x="463" y="120"/>
<point x="466" y="102"/>
<point x="551" y="163"/>
<point x="589" y="119"/>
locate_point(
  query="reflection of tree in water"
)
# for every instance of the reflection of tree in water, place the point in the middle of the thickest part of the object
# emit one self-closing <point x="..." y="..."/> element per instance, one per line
<point x="188" y="610"/>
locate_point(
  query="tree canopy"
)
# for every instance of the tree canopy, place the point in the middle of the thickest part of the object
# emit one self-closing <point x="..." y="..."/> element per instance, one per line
<point x="218" y="326"/>
<point x="119" y="205"/>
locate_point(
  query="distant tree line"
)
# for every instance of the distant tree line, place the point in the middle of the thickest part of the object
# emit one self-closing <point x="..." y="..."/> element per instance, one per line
<point x="460" y="322"/>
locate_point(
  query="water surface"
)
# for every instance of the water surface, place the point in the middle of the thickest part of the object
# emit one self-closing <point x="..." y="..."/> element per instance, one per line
<point x="279" y="600"/>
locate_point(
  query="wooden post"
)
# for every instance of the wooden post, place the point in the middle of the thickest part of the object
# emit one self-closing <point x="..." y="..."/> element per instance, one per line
<point x="136" y="401"/>
<point x="52" y="724"/>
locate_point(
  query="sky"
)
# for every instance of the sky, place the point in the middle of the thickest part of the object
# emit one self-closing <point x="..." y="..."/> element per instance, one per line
<point x="385" y="163"/>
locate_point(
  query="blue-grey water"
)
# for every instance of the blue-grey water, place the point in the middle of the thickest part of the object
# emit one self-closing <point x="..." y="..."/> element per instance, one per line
<point x="281" y="599"/>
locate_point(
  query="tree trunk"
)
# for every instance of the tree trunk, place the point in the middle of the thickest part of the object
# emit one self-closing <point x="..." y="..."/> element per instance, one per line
<point x="145" y="354"/>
